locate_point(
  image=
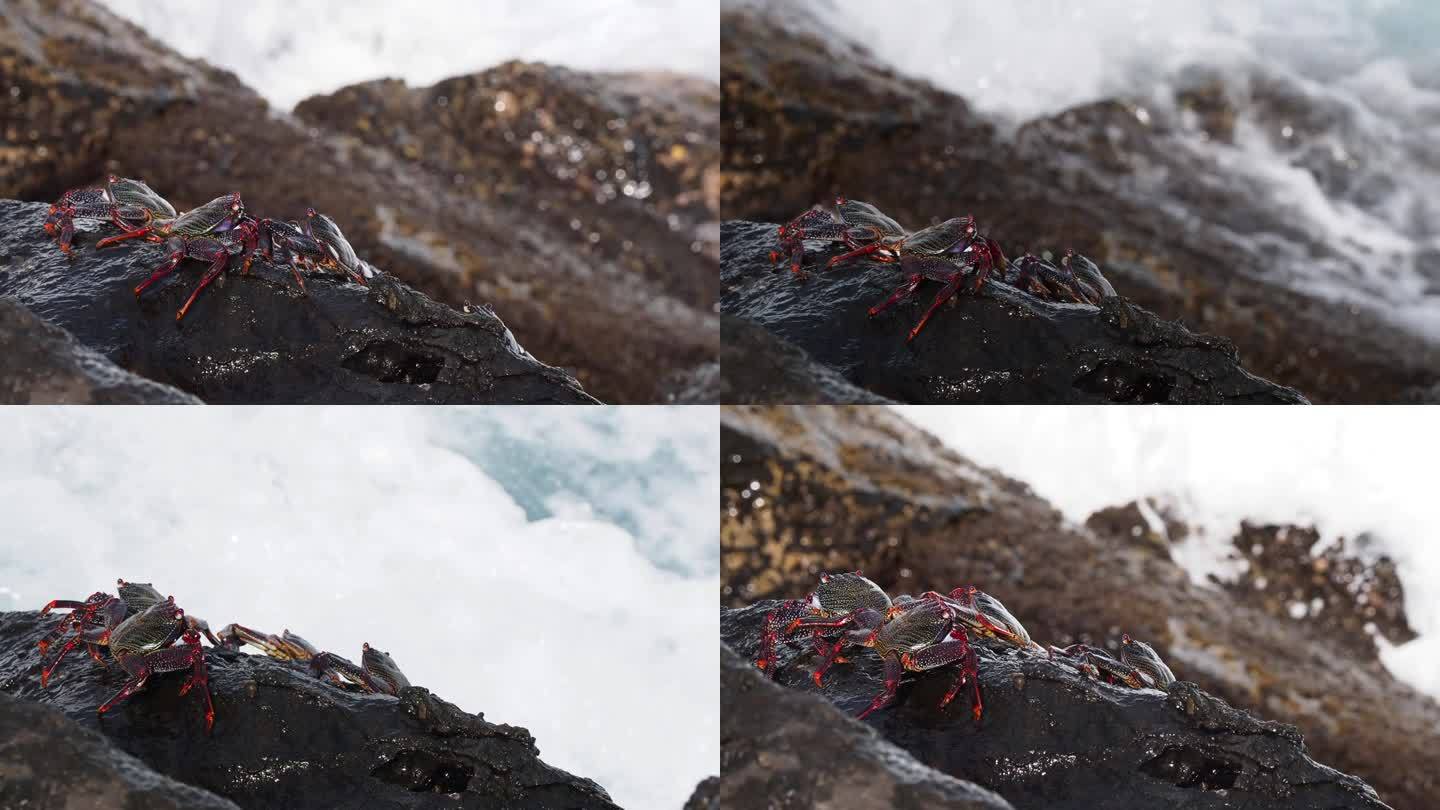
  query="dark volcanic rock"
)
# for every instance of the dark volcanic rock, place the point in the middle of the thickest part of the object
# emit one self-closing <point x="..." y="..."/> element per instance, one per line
<point x="784" y="749"/>
<point x="1003" y="346"/>
<point x="806" y="490"/>
<point x="43" y="364"/>
<point x="284" y="739"/>
<point x="1341" y="593"/>
<point x="1051" y="738"/>
<point x="706" y="795"/>
<point x="47" y="760"/>
<point x="758" y="367"/>
<point x="255" y="339"/>
<point x="485" y="188"/>
<point x="808" y="117"/>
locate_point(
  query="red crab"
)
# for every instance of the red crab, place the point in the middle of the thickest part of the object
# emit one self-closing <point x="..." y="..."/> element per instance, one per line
<point x="1077" y="279"/>
<point x="838" y="603"/>
<point x="1138" y="667"/>
<point x="141" y="642"/>
<point x="975" y="262"/>
<point x="857" y="225"/>
<point x="922" y="635"/>
<point x="91" y="615"/>
<point x="377" y="672"/>
<point x="220" y="229"/>
<point x="128" y="204"/>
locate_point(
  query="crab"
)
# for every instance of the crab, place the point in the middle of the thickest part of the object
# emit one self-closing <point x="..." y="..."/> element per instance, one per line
<point x="142" y="642"/>
<point x="128" y="204"/>
<point x="986" y="617"/>
<point x="1076" y="280"/>
<point x="1138" y="667"/>
<point x="377" y="673"/>
<point x="860" y="226"/>
<point x="839" y="602"/>
<point x="143" y="645"/>
<point x="91" y="614"/>
<point x="922" y="635"/>
<point x="215" y="232"/>
<point x="285" y="647"/>
<point x="1146" y="662"/>
<point x="953" y="266"/>
<point x="338" y="254"/>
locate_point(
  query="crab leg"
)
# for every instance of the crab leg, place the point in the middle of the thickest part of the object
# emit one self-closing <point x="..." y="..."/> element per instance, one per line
<point x="791" y="609"/>
<point x="832" y="657"/>
<point x="194" y="656"/>
<point x="905" y="290"/>
<point x="329" y="664"/>
<point x="860" y="251"/>
<point x="216" y="268"/>
<point x="893" y="670"/>
<point x="946" y="293"/>
<point x="138" y="233"/>
<point x="49" y="669"/>
<point x="957" y="650"/>
<point x="135" y="684"/>
<point x="176" y="255"/>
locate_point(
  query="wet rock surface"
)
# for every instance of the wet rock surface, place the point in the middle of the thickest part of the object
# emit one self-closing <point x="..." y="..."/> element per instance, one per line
<point x="840" y="489"/>
<point x="810" y="117"/>
<point x="256" y="339"/>
<point x="783" y="748"/>
<point x="506" y="187"/>
<point x="1052" y="738"/>
<point x="1002" y="346"/>
<point x="284" y="739"/>
<point x="47" y="760"/>
<point x="44" y="364"/>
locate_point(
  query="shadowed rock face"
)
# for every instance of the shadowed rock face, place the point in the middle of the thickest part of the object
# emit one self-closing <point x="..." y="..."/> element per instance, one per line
<point x="43" y="364"/>
<point x="47" y="760"/>
<point x="757" y="367"/>
<point x="808" y="118"/>
<point x="1003" y="346"/>
<point x="783" y="748"/>
<point x="1052" y="738"/>
<point x="255" y="338"/>
<point x="840" y="489"/>
<point x="482" y="189"/>
<point x="284" y="739"/>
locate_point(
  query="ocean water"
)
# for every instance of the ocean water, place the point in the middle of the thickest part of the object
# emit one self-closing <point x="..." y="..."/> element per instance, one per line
<point x="1360" y="177"/>
<point x="288" y="50"/>
<point x="1346" y="471"/>
<point x="554" y="568"/>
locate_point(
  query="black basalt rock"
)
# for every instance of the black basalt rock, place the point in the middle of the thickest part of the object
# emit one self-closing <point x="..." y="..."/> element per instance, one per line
<point x="1002" y="346"/>
<point x="784" y="749"/>
<point x="255" y="339"/>
<point x="48" y="760"/>
<point x="1052" y="738"/>
<point x="43" y="364"/>
<point x="284" y="739"/>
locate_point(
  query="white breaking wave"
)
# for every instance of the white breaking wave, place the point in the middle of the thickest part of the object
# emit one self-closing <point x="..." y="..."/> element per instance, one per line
<point x="399" y="526"/>
<point x="1367" y="188"/>
<point x="1347" y="471"/>
<point x="288" y="51"/>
